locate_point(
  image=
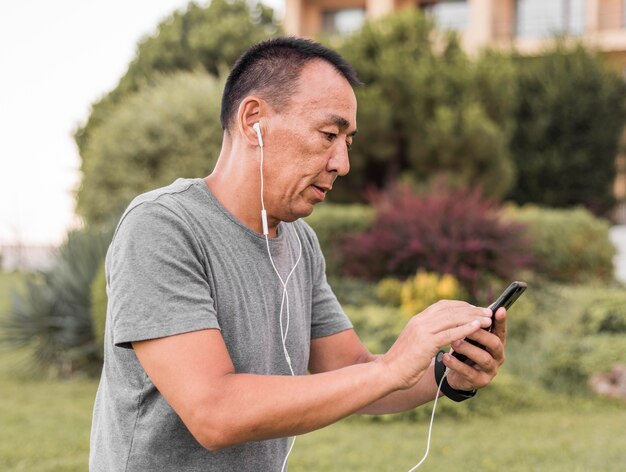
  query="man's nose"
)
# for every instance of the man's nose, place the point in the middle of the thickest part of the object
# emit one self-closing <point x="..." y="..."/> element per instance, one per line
<point x="339" y="162"/>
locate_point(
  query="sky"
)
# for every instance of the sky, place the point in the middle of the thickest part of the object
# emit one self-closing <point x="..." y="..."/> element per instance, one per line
<point x="56" y="59"/>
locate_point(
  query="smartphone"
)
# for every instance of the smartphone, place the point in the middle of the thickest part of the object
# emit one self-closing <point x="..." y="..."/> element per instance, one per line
<point x="506" y="299"/>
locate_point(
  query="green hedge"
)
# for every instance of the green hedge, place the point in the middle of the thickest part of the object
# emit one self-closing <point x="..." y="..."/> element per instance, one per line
<point x="332" y="222"/>
<point x="568" y="245"/>
<point x="606" y="315"/>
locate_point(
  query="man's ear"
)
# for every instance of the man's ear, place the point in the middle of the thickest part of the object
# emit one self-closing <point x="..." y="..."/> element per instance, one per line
<point x="250" y="112"/>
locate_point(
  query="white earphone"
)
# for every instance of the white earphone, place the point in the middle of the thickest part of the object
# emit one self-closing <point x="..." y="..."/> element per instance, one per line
<point x="257" y="127"/>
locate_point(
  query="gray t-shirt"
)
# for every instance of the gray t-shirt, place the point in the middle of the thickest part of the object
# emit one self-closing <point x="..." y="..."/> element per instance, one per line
<point x="180" y="262"/>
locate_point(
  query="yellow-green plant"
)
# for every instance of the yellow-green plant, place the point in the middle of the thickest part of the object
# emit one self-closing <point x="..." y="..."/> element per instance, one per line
<point x="389" y="291"/>
<point x="425" y="288"/>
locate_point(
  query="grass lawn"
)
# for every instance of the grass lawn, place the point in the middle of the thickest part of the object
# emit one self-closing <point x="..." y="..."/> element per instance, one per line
<point x="556" y="441"/>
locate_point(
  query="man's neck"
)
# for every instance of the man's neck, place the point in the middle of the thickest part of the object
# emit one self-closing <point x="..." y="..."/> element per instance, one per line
<point x="235" y="182"/>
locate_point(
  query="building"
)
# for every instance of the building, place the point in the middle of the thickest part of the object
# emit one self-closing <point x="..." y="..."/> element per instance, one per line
<point x="526" y="25"/>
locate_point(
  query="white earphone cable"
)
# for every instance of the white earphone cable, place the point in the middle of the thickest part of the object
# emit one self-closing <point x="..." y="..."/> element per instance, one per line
<point x="430" y="427"/>
<point x="284" y="302"/>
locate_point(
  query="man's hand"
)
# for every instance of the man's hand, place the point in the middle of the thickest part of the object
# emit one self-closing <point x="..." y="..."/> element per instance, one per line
<point x="481" y="365"/>
<point x="437" y="326"/>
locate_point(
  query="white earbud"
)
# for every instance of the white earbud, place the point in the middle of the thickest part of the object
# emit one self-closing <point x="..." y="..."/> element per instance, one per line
<point x="257" y="127"/>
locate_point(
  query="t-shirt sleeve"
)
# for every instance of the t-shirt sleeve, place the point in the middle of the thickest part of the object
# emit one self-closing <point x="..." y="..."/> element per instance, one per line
<point x="156" y="278"/>
<point x="327" y="316"/>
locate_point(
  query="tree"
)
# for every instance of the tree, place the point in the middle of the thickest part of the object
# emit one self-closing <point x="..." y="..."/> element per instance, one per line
<point x="168" y="130"/>
<point x="427" y="109"/>
<point x="209" y="38"/>
<point x="568" y="119"/>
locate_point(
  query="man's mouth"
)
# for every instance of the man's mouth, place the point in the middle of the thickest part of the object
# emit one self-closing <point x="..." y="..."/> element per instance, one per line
<point x="321" y="191"/>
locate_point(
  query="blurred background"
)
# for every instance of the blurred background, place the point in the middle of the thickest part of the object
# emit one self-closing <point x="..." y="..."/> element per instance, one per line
<point x="491" y="147"/>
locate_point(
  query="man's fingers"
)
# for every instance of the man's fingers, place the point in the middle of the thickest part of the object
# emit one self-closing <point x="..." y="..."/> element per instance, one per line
<point x="493" y="346"/>
<point x="479" y="358"/>
<point x="448" y="314"/>
<point x="459" y="332"/>
<point x="474" y="378"/>
<point x="500" y="325"/>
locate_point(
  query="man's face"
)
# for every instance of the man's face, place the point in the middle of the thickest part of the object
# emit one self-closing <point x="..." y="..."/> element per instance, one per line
<point x="306" y="144"/>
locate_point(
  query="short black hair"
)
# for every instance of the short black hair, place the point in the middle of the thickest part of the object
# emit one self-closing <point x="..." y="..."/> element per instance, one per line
<point x="271" y="69"/>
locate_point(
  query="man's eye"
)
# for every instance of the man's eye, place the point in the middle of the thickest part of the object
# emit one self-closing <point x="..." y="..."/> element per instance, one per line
<point x="349" y="145"/>
<point x="330" y="136"/>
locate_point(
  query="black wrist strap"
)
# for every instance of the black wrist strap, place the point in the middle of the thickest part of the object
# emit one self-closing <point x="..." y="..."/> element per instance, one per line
<point x="451" y="393"/>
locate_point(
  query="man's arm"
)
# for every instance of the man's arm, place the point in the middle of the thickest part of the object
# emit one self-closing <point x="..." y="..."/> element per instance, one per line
<point x="345" y="348"/>
<point x="194" y="373"/>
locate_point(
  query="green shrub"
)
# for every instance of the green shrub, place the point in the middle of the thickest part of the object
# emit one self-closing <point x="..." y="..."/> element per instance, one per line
<point x="606" y="315"/>
<point x="52" y="313"/>
<point x="603" y="351"/>
<point x="99" y="305"/>
<point x="378" y="326"/>
<point x="332" y="222"/>
<point x="166" y="130"/>
<point x="570" y="246"/>
<point x="353" y="291"/>
<point x="563" y="369"/>
<point x="570" y="362"/>
<point x="565" y="339"/>
<point x="389" y="291"/>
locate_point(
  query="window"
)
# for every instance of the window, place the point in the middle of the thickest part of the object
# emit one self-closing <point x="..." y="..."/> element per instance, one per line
<point x="343" y="21"/>
<point x="451" y="15"/>
<point x="545" y="18"/>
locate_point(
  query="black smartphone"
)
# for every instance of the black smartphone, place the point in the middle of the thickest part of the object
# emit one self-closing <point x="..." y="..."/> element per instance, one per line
<point x="506" y="299"/>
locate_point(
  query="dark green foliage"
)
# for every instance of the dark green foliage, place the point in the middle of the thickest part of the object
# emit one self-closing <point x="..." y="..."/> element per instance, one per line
<point x="52" y="312"/>
<point x="569" y="115"/>
<point x="457" y="232"/>
<point x="332" y="222"/>
<point x="573" y="360"/>
<point x="200" y="38"/>
<point x="563" y="371"/>
<point x="427" y="109"/>
<point x="563" y="345"/>
<point x="168" y="130"/>
<point x="570" y="246"/>
<point x="606" y="316"/>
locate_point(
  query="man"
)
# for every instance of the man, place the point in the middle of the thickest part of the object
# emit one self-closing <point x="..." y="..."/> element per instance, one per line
<point x="203" y="335"/>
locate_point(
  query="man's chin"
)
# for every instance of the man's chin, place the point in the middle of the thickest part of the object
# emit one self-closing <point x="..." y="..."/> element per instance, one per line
<point x="302" y="212"/>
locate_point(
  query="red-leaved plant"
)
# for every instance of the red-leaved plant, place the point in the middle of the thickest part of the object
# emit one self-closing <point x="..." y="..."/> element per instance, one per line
<point x="447" y="231"/>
